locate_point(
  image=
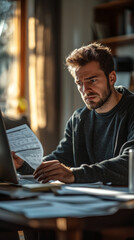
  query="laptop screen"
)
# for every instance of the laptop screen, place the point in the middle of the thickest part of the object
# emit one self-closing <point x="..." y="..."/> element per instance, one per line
<point x="7" y="169"/>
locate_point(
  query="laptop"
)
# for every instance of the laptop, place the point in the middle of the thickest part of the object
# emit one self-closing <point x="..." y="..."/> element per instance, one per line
<point x="8" y="171"/>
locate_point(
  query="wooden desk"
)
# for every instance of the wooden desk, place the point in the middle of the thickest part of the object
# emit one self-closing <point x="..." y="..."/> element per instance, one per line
<point x="117" y="226"/>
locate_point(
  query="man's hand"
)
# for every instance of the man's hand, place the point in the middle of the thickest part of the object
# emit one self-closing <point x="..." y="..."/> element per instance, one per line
<point x="53" y="170"/>
<point x="17" y="160"/>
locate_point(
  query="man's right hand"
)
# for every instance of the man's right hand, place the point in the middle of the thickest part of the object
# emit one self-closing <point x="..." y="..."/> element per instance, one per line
<point x="54" y="170"/>
<point x="17" y="160"/>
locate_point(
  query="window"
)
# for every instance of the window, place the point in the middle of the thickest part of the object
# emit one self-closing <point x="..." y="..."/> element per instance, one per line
<point x="11" y="87"/>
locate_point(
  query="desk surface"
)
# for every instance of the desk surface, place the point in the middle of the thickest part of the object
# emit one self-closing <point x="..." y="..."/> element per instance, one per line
<point x="124" y="217"/>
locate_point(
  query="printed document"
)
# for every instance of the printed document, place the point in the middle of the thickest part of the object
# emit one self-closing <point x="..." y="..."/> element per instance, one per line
<point x="25" y="144"/>
<point x="48" y="208"/>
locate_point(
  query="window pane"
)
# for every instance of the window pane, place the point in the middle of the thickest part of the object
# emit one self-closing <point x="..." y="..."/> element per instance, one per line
<point x="9" y="56"/>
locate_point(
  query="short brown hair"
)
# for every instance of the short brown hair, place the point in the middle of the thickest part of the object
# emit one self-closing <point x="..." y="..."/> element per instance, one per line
<point x="92" y="52"/>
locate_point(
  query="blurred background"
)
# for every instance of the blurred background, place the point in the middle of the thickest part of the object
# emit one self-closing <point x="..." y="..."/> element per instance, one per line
<point x="35" y="38"/>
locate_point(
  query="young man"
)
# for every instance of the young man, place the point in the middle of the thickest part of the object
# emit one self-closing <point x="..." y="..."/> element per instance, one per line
<point x="97" y="137"/>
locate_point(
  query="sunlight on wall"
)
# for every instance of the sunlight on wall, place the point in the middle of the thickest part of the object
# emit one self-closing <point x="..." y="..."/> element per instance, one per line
<point x="40" y="78"/>
<point x="31" y="33"/>
<point x="32" y="93"/>
<point x="13" y="49"/>
<point x="31" y="75"/>
<point x="40" y="93"/>
<point x="36" y="78"/>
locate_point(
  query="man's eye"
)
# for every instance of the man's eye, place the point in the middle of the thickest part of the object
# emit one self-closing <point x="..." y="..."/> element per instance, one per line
<point x="93" y="80"/>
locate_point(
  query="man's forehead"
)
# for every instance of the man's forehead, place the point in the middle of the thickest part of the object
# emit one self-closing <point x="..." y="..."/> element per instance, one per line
<point x="89" y="68"/>
<point x="81" y="72"/>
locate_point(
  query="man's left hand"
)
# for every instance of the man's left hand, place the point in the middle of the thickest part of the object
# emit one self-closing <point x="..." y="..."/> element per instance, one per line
<point x="18" y="162"/>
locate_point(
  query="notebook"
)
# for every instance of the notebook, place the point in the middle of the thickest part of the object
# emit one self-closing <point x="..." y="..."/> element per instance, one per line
<point x="8" y="171"/>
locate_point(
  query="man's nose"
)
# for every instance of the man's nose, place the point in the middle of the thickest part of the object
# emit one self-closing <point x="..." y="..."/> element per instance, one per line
<point x="86" y="87"/>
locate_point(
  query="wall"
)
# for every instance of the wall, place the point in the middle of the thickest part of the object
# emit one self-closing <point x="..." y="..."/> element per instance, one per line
<point x="76" y="30"/>
<point x="125" y="78"/>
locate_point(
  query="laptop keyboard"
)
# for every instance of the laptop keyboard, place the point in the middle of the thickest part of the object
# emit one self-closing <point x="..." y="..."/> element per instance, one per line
<point x="27" y="180"/>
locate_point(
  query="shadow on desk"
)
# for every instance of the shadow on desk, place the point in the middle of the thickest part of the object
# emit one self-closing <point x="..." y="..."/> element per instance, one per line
<point x="9" y="235"/>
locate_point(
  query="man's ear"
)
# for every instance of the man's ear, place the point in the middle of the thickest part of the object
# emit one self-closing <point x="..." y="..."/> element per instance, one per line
<point x="112" y="78"/>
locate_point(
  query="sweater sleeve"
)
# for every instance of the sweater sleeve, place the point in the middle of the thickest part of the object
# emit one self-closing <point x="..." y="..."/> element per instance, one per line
<point x="25" y="169"/>
<point x="114" y="170"/>
<point x="64" y="151"/>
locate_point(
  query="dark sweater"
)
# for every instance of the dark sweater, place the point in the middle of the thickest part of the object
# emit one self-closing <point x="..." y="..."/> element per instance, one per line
<point x="96" y="146"/>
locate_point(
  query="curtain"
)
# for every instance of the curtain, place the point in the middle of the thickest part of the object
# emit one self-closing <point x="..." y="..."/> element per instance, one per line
<point x="47" y="80"/>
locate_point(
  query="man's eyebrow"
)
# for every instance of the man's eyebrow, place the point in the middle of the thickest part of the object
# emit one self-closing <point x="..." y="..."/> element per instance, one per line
<point x="88" y="78"/>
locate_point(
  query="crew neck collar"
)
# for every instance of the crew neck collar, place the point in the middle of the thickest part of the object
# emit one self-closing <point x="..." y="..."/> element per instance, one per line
<point x="115" y="108"/>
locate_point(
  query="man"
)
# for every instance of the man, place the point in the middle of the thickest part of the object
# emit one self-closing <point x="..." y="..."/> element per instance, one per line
<point x="97" y="137"/>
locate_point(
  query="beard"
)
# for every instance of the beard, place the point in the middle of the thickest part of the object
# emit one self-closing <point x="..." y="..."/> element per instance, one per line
<point x="104" y="99"/>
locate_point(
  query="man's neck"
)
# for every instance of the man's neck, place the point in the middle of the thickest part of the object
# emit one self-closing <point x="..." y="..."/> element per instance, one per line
<point x="111" y="102"/>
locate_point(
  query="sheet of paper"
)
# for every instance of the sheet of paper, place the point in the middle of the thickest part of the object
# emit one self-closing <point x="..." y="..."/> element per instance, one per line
<point x="46" y="209"/>
<point x="26" y="145"/>
<point x="69" y="199"/>
<point x="100" y="192"/>
<point x="125" y="197"/>
<point x="88" y="185"/>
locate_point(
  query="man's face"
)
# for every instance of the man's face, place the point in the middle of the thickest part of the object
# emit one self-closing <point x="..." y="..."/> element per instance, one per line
<point x="93" y="85"/>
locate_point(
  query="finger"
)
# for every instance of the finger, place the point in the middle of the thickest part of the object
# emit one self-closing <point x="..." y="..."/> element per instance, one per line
<point x="14" y="155"/>
<point x="52" y="178"/>
<point x="49" y="178"/>
<point x="50" y="174"/>
<point x="48" y="170"/>
<point x="45" y="166"/>
<point x="41" y="166"/>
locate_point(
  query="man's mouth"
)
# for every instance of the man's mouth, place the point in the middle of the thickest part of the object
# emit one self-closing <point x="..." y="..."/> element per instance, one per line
<point x="90" y="98"/>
